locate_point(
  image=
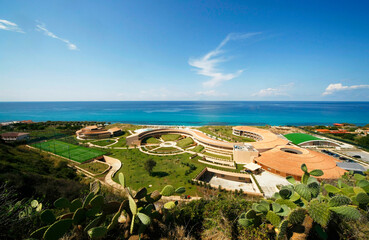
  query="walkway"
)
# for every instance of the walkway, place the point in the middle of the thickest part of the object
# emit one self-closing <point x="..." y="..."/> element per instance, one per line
<point x="269" y="181"/>
<point x="115" y="164"/>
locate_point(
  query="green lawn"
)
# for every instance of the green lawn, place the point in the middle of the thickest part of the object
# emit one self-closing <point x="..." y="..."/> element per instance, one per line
<point x="297" y="138"/>
<point x="224" y="132"/>
<point x="186" y="142"/>
<point x="151" y="140"/>
<point x="103" y="142"/>
<point x="168" y="170"/>
<point x="198" y="148"/>
<point x="167" y="150"/>
<point x="67" y="150"/>
<point x="217" y="156"/>
<point x="170" y="137"/>
<point x="121" y="142"/>
<point x="94" y="167"/>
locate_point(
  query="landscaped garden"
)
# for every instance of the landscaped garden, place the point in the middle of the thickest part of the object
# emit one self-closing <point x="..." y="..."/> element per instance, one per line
<point x="67" y="150"/>
<point x="151" y="140"/>
<point x="170" y="137"/>
<point x="227" y="158"/>
<point x="225" y="133"/>
<point x="185" y="142"/>
<point x="94" y="167"/>
<point x="198" y="149"/>
<point x="168" y="170"/>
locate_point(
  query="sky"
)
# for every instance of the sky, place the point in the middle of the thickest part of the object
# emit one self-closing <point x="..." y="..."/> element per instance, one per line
<point x="184" y="50"/>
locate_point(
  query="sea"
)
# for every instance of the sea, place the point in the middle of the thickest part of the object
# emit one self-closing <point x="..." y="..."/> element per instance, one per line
<point x="191" y="113"/>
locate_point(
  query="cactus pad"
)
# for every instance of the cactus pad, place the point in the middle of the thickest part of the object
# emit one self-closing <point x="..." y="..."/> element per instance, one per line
<point x="319" y="212"/>
<point x="273" y="218"/>
<point x="303" y="191"/>
<point x="62" y="203"/>
<point x="297" y="216"/>
<point x="339" y="201"/>
<point x="48" y="217"/>
<point x="362" y="198"/>
<point x="168" y="190"/>
<point x="347" y="212"/>
<point x="58" y="229"/>
<point x="97" y="232"/>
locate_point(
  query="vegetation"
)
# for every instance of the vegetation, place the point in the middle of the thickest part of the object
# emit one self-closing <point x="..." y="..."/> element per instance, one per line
<point x="223" y="157"/>
<point x="122" y="142"/>
<point x="151" y="140"/>
<point x="303" y="210"/>
<point x="34" y="174"/>
<point x="170" y="137"/>
<point x="70" y="151"/>
<point x="167" y="170"/>
<point x="198" y="148"/>
<point x="94" y="167"/>
<point x="96" y="218"/>
<point x="104" y="142"/>
<point x="165" y="150"/>
<point x="149" y="165"/>
<point x="225" y="133"/>
<point x="185" y="142"/>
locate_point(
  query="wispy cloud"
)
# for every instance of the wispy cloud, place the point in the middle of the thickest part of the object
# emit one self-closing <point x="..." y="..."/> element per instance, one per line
<point x="10" y="26"/>
<point x="281" y="90"/>
<point x="335" y="87"/>
<point x="207" y="65"/>
<point x="42" y="28"/>
<point x="211" y="93"/>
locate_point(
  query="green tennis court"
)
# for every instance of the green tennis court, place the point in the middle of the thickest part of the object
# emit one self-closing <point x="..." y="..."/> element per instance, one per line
<point x="77" y="153"/>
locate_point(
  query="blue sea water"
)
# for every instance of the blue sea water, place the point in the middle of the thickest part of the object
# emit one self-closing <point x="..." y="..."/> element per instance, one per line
<point x="191" y="113"/>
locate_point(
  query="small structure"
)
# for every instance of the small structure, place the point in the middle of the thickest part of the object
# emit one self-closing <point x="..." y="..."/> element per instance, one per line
<point x="14" y="136"/>
<point x="94" y="132"/>
<point x="351" y="166"/>
<point x="252" y="167"/>
<point x="115" y="131"/>
<point x="244" y="153"/>
<point x="27" y="121"/>
<point x="229" y="181"/>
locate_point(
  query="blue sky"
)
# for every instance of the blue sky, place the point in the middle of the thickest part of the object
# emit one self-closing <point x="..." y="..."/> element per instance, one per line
<point x="184" y="50"/>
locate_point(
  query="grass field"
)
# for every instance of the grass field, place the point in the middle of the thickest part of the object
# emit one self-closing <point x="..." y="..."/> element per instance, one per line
<point x="170" y="137"/>
<point x="166" y="150"/>
<point x="151" y="140"/>
<point x="217" y="156"/>
<point x="94" y="167"/>
<point x="198" y="148"/>
<point x="297" y="138"/>
<point x="168" y="170"/>
<point x="103" y="142"/>
<point x="77" y="153"/>
<point x="186" y="142"/>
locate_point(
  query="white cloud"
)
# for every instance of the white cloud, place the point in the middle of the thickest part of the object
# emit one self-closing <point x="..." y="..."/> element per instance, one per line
<point x="207" y="65"/>
<point x="334" y="87"/>
<point x="211" y="93"/>
<point x="282" y="90"/>
<point x="10" y="26"/>
<point x="42" y="28"/>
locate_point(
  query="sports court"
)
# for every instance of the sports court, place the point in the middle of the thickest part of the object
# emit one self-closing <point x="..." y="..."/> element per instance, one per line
<point x="77" y="153"/>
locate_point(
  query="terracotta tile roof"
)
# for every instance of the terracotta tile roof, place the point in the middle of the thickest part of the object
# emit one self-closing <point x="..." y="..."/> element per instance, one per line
<point x="269" y="139"/>
<point x="290" y="163"/>
<point x="114" y="129"/>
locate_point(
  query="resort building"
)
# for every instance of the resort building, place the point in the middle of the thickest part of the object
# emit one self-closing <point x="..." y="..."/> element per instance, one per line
<point x="94" y="132"/>
<point x="287" y="160"/>
<point x="14" y="136"/>
<point x="272" y="152"/>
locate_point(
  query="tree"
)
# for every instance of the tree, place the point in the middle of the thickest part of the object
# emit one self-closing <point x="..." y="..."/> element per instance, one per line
<point x="149" y="165"/>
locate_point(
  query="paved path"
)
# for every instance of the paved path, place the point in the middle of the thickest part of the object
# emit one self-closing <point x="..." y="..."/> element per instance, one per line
<point x="115" y="164"/>
<point x="269" y="181"/>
